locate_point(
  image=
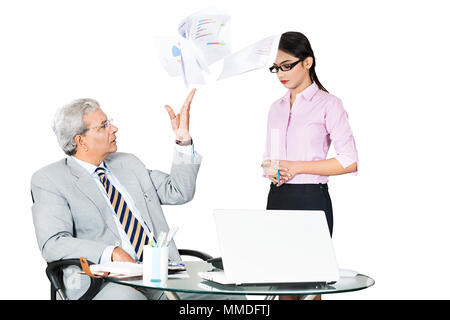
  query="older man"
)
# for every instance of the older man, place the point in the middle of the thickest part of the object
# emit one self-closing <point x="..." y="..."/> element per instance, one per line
<point x="104" y="205"/>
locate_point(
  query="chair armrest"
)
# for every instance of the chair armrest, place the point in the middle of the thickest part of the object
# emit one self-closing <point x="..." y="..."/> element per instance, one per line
<point x="54" y="274"/>
<point x="194" y="253"/>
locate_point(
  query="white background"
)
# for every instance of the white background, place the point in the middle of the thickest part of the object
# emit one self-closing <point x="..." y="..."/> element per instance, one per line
<point x="387" y="60"/>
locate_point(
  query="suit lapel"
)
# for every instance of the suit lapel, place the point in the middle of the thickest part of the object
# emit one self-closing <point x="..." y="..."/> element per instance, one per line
<point x="89" y="188"/>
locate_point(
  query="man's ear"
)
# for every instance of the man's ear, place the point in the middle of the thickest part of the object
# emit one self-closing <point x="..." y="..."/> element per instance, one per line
<point x="79" y="141"/>
<point x="308" y="62"/>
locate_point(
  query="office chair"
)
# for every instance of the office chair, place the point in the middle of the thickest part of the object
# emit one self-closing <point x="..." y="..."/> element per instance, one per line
<point x="54" y="273"/>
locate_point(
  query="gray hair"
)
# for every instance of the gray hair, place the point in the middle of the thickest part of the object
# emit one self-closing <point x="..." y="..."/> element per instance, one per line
<point x="68" y="122"/>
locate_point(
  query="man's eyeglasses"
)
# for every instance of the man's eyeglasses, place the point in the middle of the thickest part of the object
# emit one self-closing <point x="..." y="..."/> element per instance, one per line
<point x="104" y="125"/>
<point x="284" y="67"/>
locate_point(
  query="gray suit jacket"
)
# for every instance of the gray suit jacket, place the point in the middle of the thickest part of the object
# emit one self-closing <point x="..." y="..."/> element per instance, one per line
<point x="72" y="218"/>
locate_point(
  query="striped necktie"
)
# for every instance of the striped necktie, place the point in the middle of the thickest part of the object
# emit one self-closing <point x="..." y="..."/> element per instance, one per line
<point x="133" y="229"/>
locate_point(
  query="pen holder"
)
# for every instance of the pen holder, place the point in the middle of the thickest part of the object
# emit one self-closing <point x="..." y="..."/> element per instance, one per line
<point x="155" y="263"/>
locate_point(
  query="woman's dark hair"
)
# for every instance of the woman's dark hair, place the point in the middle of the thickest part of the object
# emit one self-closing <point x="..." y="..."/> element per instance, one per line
<point x="297" y="44"/>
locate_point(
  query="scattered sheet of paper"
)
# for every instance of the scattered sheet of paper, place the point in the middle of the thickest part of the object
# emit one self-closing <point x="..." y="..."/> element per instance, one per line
<point x="169" y="54"/>
<point x="255" y="56"/>
<point x="204" y="38"/>
<point x="209" y="31"/>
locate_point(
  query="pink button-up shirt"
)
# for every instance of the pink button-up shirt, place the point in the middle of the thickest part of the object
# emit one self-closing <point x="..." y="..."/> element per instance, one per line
<point x="305" y="132"/>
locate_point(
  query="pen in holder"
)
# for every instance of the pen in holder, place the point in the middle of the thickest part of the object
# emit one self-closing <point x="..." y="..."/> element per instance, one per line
<point x="155" y="263"/>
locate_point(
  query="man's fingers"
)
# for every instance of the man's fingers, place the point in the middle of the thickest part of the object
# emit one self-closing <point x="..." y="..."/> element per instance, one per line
<point x="170" y="112"/>
<point x="187" y="103"/>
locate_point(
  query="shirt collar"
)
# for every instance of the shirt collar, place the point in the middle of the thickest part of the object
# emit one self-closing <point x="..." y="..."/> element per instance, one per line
<point x="287" y="96"/>
<point x="308" y="93"/>
<point x="89" y="166"/>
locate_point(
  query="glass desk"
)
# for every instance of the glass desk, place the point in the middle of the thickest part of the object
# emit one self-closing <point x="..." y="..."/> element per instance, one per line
<point x="195" y="284"/>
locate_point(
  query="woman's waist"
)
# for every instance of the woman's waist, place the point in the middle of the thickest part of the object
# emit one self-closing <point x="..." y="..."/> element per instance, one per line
<point x="300" y="187"/>
<point x="308" y="179"/>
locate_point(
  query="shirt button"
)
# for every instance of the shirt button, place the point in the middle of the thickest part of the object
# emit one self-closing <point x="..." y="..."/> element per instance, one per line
<point x="117" y="243"/>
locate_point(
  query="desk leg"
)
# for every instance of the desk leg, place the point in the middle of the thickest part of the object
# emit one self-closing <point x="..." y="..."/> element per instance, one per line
<point x="172" y="295"/>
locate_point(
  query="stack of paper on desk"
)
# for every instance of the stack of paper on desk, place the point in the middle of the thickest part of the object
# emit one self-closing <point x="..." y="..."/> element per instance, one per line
<point x="118" y="269"/>
<point x="123" y="270"/>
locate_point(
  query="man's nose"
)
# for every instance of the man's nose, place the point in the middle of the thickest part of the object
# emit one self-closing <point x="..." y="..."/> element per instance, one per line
<point x="114" y="129"/>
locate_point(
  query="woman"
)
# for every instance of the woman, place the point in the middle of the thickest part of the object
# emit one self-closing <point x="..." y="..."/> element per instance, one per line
<point x="301" y="126"/>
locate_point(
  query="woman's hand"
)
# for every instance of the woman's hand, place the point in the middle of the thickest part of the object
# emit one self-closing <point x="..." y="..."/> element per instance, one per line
<point x="272" y="168"/>
<point x="180" y="122"/>
<point x="290" y="166"/>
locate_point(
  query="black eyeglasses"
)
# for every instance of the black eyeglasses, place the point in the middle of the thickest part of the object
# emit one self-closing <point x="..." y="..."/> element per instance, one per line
<point x="284" y="67"/>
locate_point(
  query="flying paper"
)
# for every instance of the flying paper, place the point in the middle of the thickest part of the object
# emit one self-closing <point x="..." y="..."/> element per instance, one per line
<point x="203" y="38"/>
<point x="255" y="56"/>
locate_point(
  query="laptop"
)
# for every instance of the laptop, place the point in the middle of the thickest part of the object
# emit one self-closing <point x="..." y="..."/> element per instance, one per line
<point x="273" y="247"/>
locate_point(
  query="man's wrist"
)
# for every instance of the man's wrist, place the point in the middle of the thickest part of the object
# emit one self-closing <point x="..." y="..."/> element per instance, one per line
<point x="184" y="142"/>
<point x="106" y="256"/>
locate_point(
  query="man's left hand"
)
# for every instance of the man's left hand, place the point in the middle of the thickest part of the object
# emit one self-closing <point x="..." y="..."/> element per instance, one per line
<point x="180" y="122"/>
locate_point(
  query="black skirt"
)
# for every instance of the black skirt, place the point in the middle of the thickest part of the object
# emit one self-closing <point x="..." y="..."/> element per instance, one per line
<point x="301" y="197"/>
